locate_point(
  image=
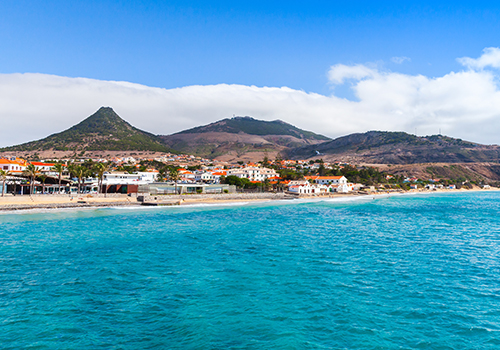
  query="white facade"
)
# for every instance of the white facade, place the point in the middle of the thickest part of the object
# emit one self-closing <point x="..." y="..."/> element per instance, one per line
<point x="253" y="173"/>
<point x="326" y="180"/>
<point x="207" y="176"/>
<point x="121" y="178"/>
<point x="148" y="176"/>
<point x="305" y="187"/>
<point x="308" y="188"/>
<point x="12" y="166"/>
<point x="43" y="167"/>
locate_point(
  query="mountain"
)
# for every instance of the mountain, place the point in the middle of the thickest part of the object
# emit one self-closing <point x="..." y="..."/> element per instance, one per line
<point x="102" y="131"/>
<point x="383" y="147"/>
<point x="243" y="138"/>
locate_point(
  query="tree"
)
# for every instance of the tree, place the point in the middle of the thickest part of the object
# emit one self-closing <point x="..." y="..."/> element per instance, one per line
<point x="174" y="176"/>
<point x="100" y="169"/>
<point x="43" y="178"/>
<point x="162" y="174"/>
<point x="266" y="184"/>
<point x="59" y="168"/>
<point x="80" y="172"/>
<point x="265" y="162"/>
<point x="239" y="182"/>
<point x="321" y="169"/>
<point x="278" y="161"/>
<point x="3" y="177"/>
<point x="32" y="172"/>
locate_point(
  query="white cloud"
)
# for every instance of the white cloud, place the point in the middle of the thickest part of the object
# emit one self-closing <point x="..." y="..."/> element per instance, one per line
<point x="400" y="60"/>
<point x="462" y="104"/>
<point x="340" y="72"/>
<point x="489" y="58"/>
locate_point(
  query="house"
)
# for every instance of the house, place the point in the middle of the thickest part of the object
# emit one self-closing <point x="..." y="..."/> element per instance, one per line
<point x="45" y="168"/>
<point x="123" y="178"/>
<point x="307" y="188"/>
<point x="186" y="175"/>
<point x="327" y="180"/>
<point x="13" y="165"/>
<point x="209" y="176"/>
<point x="253" y="173"/>
<point x="341" y="188"/>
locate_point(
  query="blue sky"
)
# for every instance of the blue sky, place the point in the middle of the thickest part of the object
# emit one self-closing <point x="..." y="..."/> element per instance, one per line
<point x="333" y="67"/>
<point x="265" y="43"/>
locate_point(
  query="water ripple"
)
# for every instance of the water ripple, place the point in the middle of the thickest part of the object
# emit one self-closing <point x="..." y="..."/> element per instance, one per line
<point x="416" y="272"/>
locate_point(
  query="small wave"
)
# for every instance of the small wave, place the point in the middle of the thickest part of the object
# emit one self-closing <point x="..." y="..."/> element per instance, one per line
<point x="224" y="204"/>
<point x="46" y="210"/>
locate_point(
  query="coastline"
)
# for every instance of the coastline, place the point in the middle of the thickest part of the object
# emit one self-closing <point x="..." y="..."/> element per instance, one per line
<point x="54" y="202"/>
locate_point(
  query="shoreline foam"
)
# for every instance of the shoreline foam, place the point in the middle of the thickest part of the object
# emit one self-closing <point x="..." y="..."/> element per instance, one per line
<point x="11" y="203"/>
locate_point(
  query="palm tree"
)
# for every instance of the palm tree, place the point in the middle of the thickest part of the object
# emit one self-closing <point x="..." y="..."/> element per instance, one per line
<point x="174" y="176"/>
<point x="161" y="175"/>
<point x="100" y="169"/>
<point x="42" y="178"/>
<point x="32" y="172"/>
<point x="80" y="172"/>
<point x="59" y="168"/>
<point x="3" y="176"/>
<point x="266" y="184"/>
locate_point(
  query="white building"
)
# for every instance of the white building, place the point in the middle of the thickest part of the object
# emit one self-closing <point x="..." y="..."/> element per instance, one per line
<point x="123" y="178"/>
<point x="13" y="165"/>
<point x="209" y="176"/>
<point x="253" y="173"/>
<point x="186" y="175"/>
<point x="328" y="180"/>
<point x="305" y="187"/>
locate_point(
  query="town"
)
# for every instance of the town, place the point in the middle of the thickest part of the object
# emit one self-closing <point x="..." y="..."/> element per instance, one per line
<point x="188" y="174"/>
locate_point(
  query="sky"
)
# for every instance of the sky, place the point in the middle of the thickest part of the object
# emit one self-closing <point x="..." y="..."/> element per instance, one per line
<point x="332" y="67"/>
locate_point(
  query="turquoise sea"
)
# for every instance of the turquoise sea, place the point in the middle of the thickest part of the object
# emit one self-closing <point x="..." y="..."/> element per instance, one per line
<point x="401" y="272"/>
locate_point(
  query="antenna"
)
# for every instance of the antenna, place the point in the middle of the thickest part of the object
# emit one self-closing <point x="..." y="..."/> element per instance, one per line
<point x="415" y="131"/>
<point x="439" y="131"/>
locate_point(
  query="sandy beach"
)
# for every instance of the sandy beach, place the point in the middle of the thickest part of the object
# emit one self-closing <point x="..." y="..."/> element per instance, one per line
<point x="10" y="202"/>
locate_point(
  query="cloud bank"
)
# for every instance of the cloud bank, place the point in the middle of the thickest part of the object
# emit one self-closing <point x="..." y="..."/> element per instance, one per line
<point x="464" y="104"/>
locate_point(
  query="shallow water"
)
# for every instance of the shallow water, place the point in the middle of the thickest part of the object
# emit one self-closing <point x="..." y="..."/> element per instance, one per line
<point x="406" y="272"/>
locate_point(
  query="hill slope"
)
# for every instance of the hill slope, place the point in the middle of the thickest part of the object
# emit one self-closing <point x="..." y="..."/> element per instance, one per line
<point x="103" y="130"/>
<point x="241" y="138"/>
<point x="384" y="147"/>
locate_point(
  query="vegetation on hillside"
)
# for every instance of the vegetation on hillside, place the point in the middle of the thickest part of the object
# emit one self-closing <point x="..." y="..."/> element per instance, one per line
<point x="104" y="130"/>
<point x="253" y="126"/>
<point x="399" y="148"/>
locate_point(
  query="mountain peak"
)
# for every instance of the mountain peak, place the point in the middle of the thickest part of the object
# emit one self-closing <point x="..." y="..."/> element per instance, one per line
<point x="396" y="147"/>
<point x="103" y="130"/>
<point x="252" y="126"/>
<point x="102" y="122"/>
<point x="243" y="118"/>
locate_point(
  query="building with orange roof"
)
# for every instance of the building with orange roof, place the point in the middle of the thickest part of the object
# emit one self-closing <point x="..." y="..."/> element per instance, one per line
<point x="327" y="180"/>
<point x="253" y="173"/>
<point x="13" y="165"/>
<point x="43" y="167"/>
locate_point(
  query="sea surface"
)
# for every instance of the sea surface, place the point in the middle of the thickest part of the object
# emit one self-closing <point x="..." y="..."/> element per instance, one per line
<point x="400" y="272"/>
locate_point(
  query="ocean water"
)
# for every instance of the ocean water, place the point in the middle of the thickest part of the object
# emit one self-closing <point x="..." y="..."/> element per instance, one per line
<point x="402" y="272"/>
